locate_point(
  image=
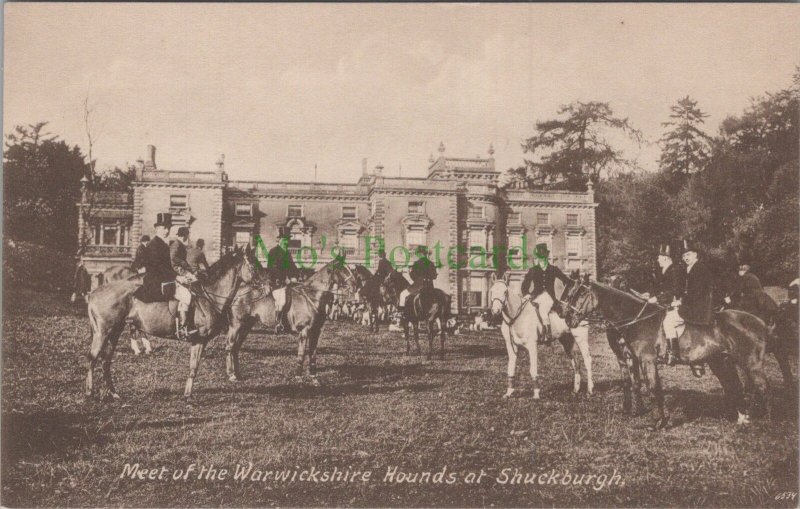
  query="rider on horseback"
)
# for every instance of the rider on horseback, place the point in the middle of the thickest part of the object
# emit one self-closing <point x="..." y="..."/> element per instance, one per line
<point x="423" y="273"/>
<point x="668" y="286"/>
<point x="539" y="285"/>
<point x="183" y="281"/>
<point x="281" y="271"/>
<point x="384" y="267"/>
<point x="744" y="294"/>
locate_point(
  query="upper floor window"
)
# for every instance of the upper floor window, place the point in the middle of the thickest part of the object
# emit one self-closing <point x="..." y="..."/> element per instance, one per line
<point x="349" y="212"/>
<point x="294" y="211"/>
<point x="514" y="218"/>
<point x="542" y="218"/>
<point x="178" y="201"/>
<point x="475" y="212"/>
<point x="572" y="219"/>
<point x="111" y="235"/>
<point x="244" y="210"/>
<point x="416" y="207"/>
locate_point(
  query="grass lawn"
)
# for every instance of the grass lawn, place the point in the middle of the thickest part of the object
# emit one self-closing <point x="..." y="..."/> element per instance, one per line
<point x="378" y="411"/>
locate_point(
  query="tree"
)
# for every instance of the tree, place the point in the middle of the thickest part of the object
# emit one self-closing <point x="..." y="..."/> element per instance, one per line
<point x="570" y="151"/>
<point x="685" y="147"/>
<point x="116" y="179"/>
<point x="41" y="178"/>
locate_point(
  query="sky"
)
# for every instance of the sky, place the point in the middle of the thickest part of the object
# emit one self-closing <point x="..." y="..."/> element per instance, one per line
<point x="282" y="88"/>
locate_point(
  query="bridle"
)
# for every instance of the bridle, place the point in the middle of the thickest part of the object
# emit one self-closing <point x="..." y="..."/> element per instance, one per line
<point x="507" y="318"/>
<point x="618" y="324"/>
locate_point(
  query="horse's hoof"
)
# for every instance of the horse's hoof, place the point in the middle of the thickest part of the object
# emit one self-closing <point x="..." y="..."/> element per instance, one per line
<point x="114" y="395"/>
<point x="298" y="379"/>
<point x="233" y="378"/>
<point x="315" y="382"/>
<point x="137" y="352"/>
<point x="743" y="420"/>
<point x="536" y="394"/>
<point x="508" y="394"/>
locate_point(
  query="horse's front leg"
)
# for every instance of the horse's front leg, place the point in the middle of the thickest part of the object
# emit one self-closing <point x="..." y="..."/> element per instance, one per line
<point x="231" y="339"/>
<point x="511" y="368"/>
<point x="654" y="382"/>
<point x="302" y="341"/>
<point x="148" y="347"/>
<point x="430" y="338"/>
<point x="581" y="335"/>
<point x="111" y="347"/>
<point x="533" y="354"/>
<point x="406" y="332"/>
<point x="313" y="340"/>
<point x="195" y="354"/>
<point x="415" y="325"/>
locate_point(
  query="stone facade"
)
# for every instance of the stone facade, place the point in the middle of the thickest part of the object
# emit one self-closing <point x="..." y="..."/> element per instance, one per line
<point x="458" y="212"/>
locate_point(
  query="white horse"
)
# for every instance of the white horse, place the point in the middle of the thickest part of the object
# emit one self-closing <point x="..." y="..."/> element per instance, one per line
<point x="522" y="327"/>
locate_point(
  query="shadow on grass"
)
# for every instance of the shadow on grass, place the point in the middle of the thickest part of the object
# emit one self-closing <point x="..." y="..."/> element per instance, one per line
<point x="298" y="391"/>
<point x="51" y="432"/>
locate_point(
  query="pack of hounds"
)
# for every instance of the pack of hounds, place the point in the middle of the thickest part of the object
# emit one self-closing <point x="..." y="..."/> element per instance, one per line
<point x="357" y="312"/>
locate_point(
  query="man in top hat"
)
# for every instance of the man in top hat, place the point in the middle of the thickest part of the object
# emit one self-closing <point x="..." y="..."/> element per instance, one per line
<point x="668" y="286"/>
<point x="185" y="277"/>
<point x="281" y="270"/>
<point x="539" y="285"/>
<point x="138" y="260"/>
<point x="423" y="274"/>
<point x="746" y="289"/>
<point x="156" y="262"/>
<point x="696" y="303"/>
<point x="384" y="267"/>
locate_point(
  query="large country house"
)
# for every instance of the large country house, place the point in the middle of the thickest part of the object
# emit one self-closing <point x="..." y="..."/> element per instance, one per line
<point x="458" y="206"/>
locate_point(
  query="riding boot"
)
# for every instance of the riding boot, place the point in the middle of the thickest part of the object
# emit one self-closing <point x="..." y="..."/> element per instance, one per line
<point x="182" y="332"/>
<point x="673" y="352"/>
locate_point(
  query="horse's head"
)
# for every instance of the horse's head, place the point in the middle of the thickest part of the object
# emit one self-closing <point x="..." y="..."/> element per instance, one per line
<point x="498" y="293"/>
<point x="581" y="302"/>
<point x="334" y="275"/>
<point x="251" y="271"/>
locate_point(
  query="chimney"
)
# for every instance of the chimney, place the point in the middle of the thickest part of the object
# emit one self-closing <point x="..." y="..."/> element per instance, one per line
<point x="364" y="167"/>
<point x="150" y="163"/>
<point x="139" y="168"/>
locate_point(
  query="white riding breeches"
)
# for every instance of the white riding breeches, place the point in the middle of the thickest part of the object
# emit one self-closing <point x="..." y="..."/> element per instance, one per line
<point x="183" y="296"/>
<point x="280" y="298"/>
<point x="673" y="324"/>
<point x="403" y="297"/>
<point x="545" y="303"/>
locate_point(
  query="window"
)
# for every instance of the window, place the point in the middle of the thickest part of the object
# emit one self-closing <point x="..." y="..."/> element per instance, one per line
<point x="348" y="243"/>
<point x="542" y="218"/>
<point x="514" y="218"/>
<point x="244" y="210"/>
<point x="349" y="212"/>
<point x="515" y="246"/>
<point x="475" y="296"/>
<point x="470" y="299"/>
<point x="111" y="235"/>
<point x="477" y="241"/>
<point x="416" y="207"/>
<point x="475" y="212"/>
<point x="573" y="246"/>
<point x="242" y="238"/>
<point x="415" y="238"/>
<point x="294" y="211"/>
<point x="178" y="201"/>
<point x="296" y="239"/>
<point x="572" y="219"/>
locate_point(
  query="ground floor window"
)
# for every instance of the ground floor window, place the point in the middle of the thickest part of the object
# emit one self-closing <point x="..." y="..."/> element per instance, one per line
<point x="111" y="234"/>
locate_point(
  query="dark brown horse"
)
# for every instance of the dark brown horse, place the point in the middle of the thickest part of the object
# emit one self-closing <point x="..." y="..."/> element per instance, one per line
<point x="431" y="305"/>
<point x="113" y="305"/>
<point x="371" y="294"/>
<point x="305" y="311"/>
<point x="735" y="340"/>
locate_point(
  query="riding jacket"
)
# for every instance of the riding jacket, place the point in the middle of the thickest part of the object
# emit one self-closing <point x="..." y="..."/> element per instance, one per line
<point x="177" y="258"/>
<point x="384" y="268"/>
<point x="538" y="281"/>
<point x="697" y="304"/>
<point x="138" y="260"/>
<point x="158" y="269"/>
<point x="669" y="284"/>
<point x="281" y="266"/>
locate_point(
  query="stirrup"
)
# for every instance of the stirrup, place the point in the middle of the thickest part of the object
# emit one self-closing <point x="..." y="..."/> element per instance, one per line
<point x="698" y="370"/>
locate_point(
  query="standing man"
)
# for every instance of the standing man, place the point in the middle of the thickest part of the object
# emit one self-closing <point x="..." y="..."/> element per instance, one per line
<point x="539" y="284"/>
<point x="138" y="260"/>
<point x="185" y="277"/>
<point x="423" y="274"/>
<point x="196" y="257"/>
<point x="384" y="267"/>
<point x="82" y="283"/>
<point x="668" y="286"/>
<point x="157" y="265"/>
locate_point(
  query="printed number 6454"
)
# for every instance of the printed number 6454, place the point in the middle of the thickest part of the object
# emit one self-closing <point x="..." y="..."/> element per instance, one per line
<point x="786" y="495"/>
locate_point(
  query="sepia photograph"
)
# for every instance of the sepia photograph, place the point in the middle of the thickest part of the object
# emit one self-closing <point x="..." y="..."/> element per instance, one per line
<point x="400" y="255"/>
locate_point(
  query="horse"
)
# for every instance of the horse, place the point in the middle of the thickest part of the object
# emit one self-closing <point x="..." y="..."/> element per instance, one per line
<point x="114" y="305"/>
<point x="305" y="310"/>
<point x="430" y="305"/>
<point x="634" y="326"/>
<point x="371" y="295"/>
<point x="521" y="327"/>
<point x="116" y="273"/>
<point x="782" y="341"/>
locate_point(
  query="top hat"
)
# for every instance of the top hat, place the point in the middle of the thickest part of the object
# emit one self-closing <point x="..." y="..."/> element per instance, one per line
<point x="422" y="250"/>
<point x="163" y="219"/>
<point x="664" y="250"/>
<point x="541" y="250"/>
<point x="183" y="231"/>
<point x="688" y="245"/>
